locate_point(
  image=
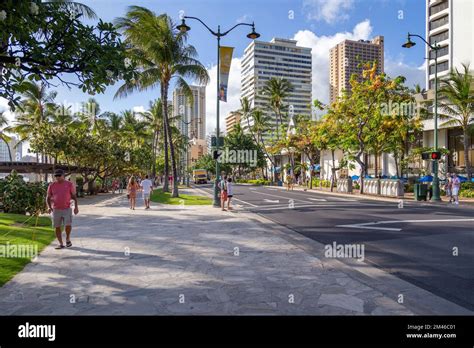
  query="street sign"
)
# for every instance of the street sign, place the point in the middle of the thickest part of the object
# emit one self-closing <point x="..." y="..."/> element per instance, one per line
<point x="213" y="141"/>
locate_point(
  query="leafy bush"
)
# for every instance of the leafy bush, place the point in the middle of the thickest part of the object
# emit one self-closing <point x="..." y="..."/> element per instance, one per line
<point x="321" y="183"/>
<point x="20" y="197"/>
<point x="259" y="182"/>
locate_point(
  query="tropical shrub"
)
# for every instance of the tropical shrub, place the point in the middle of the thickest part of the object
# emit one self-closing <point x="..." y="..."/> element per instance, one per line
<point x="20" y="197"/>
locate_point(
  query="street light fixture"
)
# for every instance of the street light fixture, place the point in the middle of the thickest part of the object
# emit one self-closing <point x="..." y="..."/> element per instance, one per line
<point x="434" y="47"/>
<point x="184" y="28"/>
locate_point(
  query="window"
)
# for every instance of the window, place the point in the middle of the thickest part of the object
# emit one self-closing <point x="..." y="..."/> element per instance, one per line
<point x="443" y="51"/>
<point x="439" y="7"/>
<point x="441" y="67"/>
<point x="439" y="22"/>
<point x="439" y="37"/>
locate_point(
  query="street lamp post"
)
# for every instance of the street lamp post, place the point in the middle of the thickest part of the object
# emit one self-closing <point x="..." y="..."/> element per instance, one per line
<point x="435" y="47"/>
<point x="252" y="35"/>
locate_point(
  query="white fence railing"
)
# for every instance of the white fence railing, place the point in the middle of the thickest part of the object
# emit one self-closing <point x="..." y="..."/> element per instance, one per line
<point x="384" y="187"/>
<point x="344" y="185"/>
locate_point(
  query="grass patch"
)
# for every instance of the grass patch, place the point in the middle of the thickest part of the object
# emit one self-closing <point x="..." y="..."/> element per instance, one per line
<point x="20" y="230"/>
<point x="159" y="196"/>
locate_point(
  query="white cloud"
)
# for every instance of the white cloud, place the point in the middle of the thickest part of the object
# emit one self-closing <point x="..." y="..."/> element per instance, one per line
<point x="5" y="108"/>
<point x="414" y="74"/>
<point x="328" y="10"/>
<point x="244" y="19"/>
<point x="320" y="51"/>
<point x="233" y="96"/>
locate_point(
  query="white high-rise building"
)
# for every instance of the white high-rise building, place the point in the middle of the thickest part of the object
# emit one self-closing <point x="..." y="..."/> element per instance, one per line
<point x="449" y="23"/>
<point x="193" y="116"/>
<point x="280" y="58"/>
<point x="15" y="149"/>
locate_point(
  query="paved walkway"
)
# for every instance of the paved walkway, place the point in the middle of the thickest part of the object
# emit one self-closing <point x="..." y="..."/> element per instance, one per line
<point x="183" y="260"/>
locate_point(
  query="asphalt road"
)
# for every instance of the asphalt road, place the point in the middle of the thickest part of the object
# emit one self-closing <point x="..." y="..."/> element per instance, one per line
<point x="415" y="242"/>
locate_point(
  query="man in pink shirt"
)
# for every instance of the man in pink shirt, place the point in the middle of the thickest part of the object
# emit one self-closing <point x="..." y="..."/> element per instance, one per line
<point x="58" y="200"/>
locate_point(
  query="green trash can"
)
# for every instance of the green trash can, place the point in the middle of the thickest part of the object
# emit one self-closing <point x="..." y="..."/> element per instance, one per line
<point x="421" y="192"/>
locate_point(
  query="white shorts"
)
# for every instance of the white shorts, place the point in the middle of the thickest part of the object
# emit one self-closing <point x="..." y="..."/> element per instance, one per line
<point x="62" y="216"/>
<point x="455" y="191"/>
<point x="146" y="195"/>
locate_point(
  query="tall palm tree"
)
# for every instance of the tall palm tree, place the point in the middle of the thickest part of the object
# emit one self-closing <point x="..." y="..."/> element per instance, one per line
<point x="277" y="89"/>
<point x="162" y="54"/>
<point x="154" y="118"/>
<point x="3" y="136"/>
<point x="36" y="107"/>
<point x="457" y="105"/>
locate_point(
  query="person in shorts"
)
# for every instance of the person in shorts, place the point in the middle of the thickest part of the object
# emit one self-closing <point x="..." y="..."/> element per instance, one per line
<point x="456" y="185"/>
<point x="147" y="187"/>
<point x="230" y="192"/>
<point x="223" y="188"/>
<point x="448" y="187"/>
<point x="58" y="198"/>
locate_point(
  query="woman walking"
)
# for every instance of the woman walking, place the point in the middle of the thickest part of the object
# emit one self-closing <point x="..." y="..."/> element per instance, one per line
<point x="132" y="189"/>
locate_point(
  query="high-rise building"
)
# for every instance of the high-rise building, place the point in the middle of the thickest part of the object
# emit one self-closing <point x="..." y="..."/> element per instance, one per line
<point x="192" y="121"/>
<point x="15" y="150"/>
<point x="345" y="59"/>
<point x="280" y="58"/>
<point x="232" y="120"/>
<point x="449" y="24"/>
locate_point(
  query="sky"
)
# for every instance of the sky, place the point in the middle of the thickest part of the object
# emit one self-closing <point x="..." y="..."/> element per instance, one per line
<point x="319" y="24"/>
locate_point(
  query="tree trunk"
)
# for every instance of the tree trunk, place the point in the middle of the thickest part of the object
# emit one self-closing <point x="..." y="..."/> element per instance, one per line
<point x="165" y="142"/>
<point x="466" y="144"/>
<point x="9" y="150"/>
<point x="333" y="170"/>
<point x="172" y="153"/>
<point x="376" y="156"/>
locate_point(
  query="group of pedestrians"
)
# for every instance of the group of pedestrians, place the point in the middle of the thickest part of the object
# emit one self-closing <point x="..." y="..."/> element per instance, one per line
<point x="452" y="187"/>
<point x="136" y="185"/>
<point x="227" y="192"/>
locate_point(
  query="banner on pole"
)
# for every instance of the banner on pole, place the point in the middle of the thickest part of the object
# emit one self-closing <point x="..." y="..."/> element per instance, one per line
<point x="225" y="57"/>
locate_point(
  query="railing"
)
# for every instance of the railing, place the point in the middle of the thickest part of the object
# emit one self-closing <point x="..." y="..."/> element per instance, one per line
<point x="344" y="185"/>
<point x="384" y="187"/>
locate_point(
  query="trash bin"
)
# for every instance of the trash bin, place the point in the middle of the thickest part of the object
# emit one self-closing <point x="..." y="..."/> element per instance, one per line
<point x="280" y="183"/>
<point x="421" y="191"/>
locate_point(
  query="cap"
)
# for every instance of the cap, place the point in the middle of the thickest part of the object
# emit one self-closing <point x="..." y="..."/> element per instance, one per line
<point x="58" y="172"/>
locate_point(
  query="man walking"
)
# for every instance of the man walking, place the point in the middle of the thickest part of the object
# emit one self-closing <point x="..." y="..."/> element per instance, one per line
<point x="147" y="187"/>
<point x="455" y="186"/>
<point x="58" y="199"/>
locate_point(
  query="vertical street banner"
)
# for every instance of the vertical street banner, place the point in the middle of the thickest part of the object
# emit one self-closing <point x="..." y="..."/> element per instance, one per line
<point x="225" y="57"/>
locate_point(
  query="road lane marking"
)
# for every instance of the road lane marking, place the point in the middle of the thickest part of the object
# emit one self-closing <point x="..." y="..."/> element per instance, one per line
<point x="288" y="198"/>
<point x="239" y="200"/>
<point x="318" y="199"/>
<point x="272" y="201"/>
<point x="370" y="225"/>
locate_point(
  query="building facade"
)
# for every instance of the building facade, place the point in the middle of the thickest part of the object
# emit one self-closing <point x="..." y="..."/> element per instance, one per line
<point x="232" y="120"/>
<point x="448" y="24"/>
<point x="12" y="147"/>
<point x="279" y="58"/>
<point x="192" y="121"/>
<point x="345" y="59"/>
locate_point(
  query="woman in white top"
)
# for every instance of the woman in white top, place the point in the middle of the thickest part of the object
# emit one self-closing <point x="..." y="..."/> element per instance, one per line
<point x="230" y="192"/>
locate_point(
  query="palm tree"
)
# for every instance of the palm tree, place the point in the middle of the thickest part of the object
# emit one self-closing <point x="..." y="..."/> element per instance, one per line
<point x="277" y="89"/>
<point x="162" y="54"/>
<point x="72" y="6"/>
<point x="457" y="105"/>
<point x="36" y="107"/>
<point x="3" y="136"/>
<point x="154" y="118"/>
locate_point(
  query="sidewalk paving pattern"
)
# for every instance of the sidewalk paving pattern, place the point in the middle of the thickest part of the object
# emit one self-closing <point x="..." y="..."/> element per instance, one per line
<point x="174" y="260"/>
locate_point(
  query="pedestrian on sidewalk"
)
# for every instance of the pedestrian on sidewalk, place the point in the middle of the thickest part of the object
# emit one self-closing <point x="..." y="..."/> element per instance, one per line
<point x="223" y="187"/>
<point x="147" y="188"/>
<point x="132" y="189"/>
<point x="456" y="186"/>
<point x="58" y="199"/>
<point x="230" y="192"/>
<point x="448" y="187"/>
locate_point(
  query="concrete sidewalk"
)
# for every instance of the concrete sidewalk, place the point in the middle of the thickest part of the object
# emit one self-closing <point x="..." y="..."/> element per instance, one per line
<point x="194" y="260"/>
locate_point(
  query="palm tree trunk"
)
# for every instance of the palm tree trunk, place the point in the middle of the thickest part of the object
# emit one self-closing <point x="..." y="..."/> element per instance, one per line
<point x="466" y="143"/>
<point x="172" y="153"/>
<point x="165" y="141"/>
<point x="9" y="150"/>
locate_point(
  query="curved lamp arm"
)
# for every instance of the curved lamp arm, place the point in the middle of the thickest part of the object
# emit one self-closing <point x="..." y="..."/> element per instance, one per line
<point x="235" y="26"/>
<point x="436" y="47"/>
<point x="212" y="31"/>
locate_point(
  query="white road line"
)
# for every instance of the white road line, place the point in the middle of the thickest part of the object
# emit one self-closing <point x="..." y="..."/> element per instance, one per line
<point x="318" y="199"/>
<point x="239" y="200"/>
<point x="271" y="201"/>
<point x="370" y="225"/>
<point x="288" y="198"/>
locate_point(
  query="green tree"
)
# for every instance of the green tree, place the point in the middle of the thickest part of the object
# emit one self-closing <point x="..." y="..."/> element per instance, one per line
<point x="160" y="61"/>
<point x="42" y="41"/>
<point x="277" y="90"/>
<point x="3" y="136"/>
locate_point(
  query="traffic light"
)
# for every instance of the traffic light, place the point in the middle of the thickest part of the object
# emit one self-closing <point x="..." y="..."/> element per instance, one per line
<point x="216" y="154"/>
<point x="436" y="155"/>
<point x="425" y="156"/>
